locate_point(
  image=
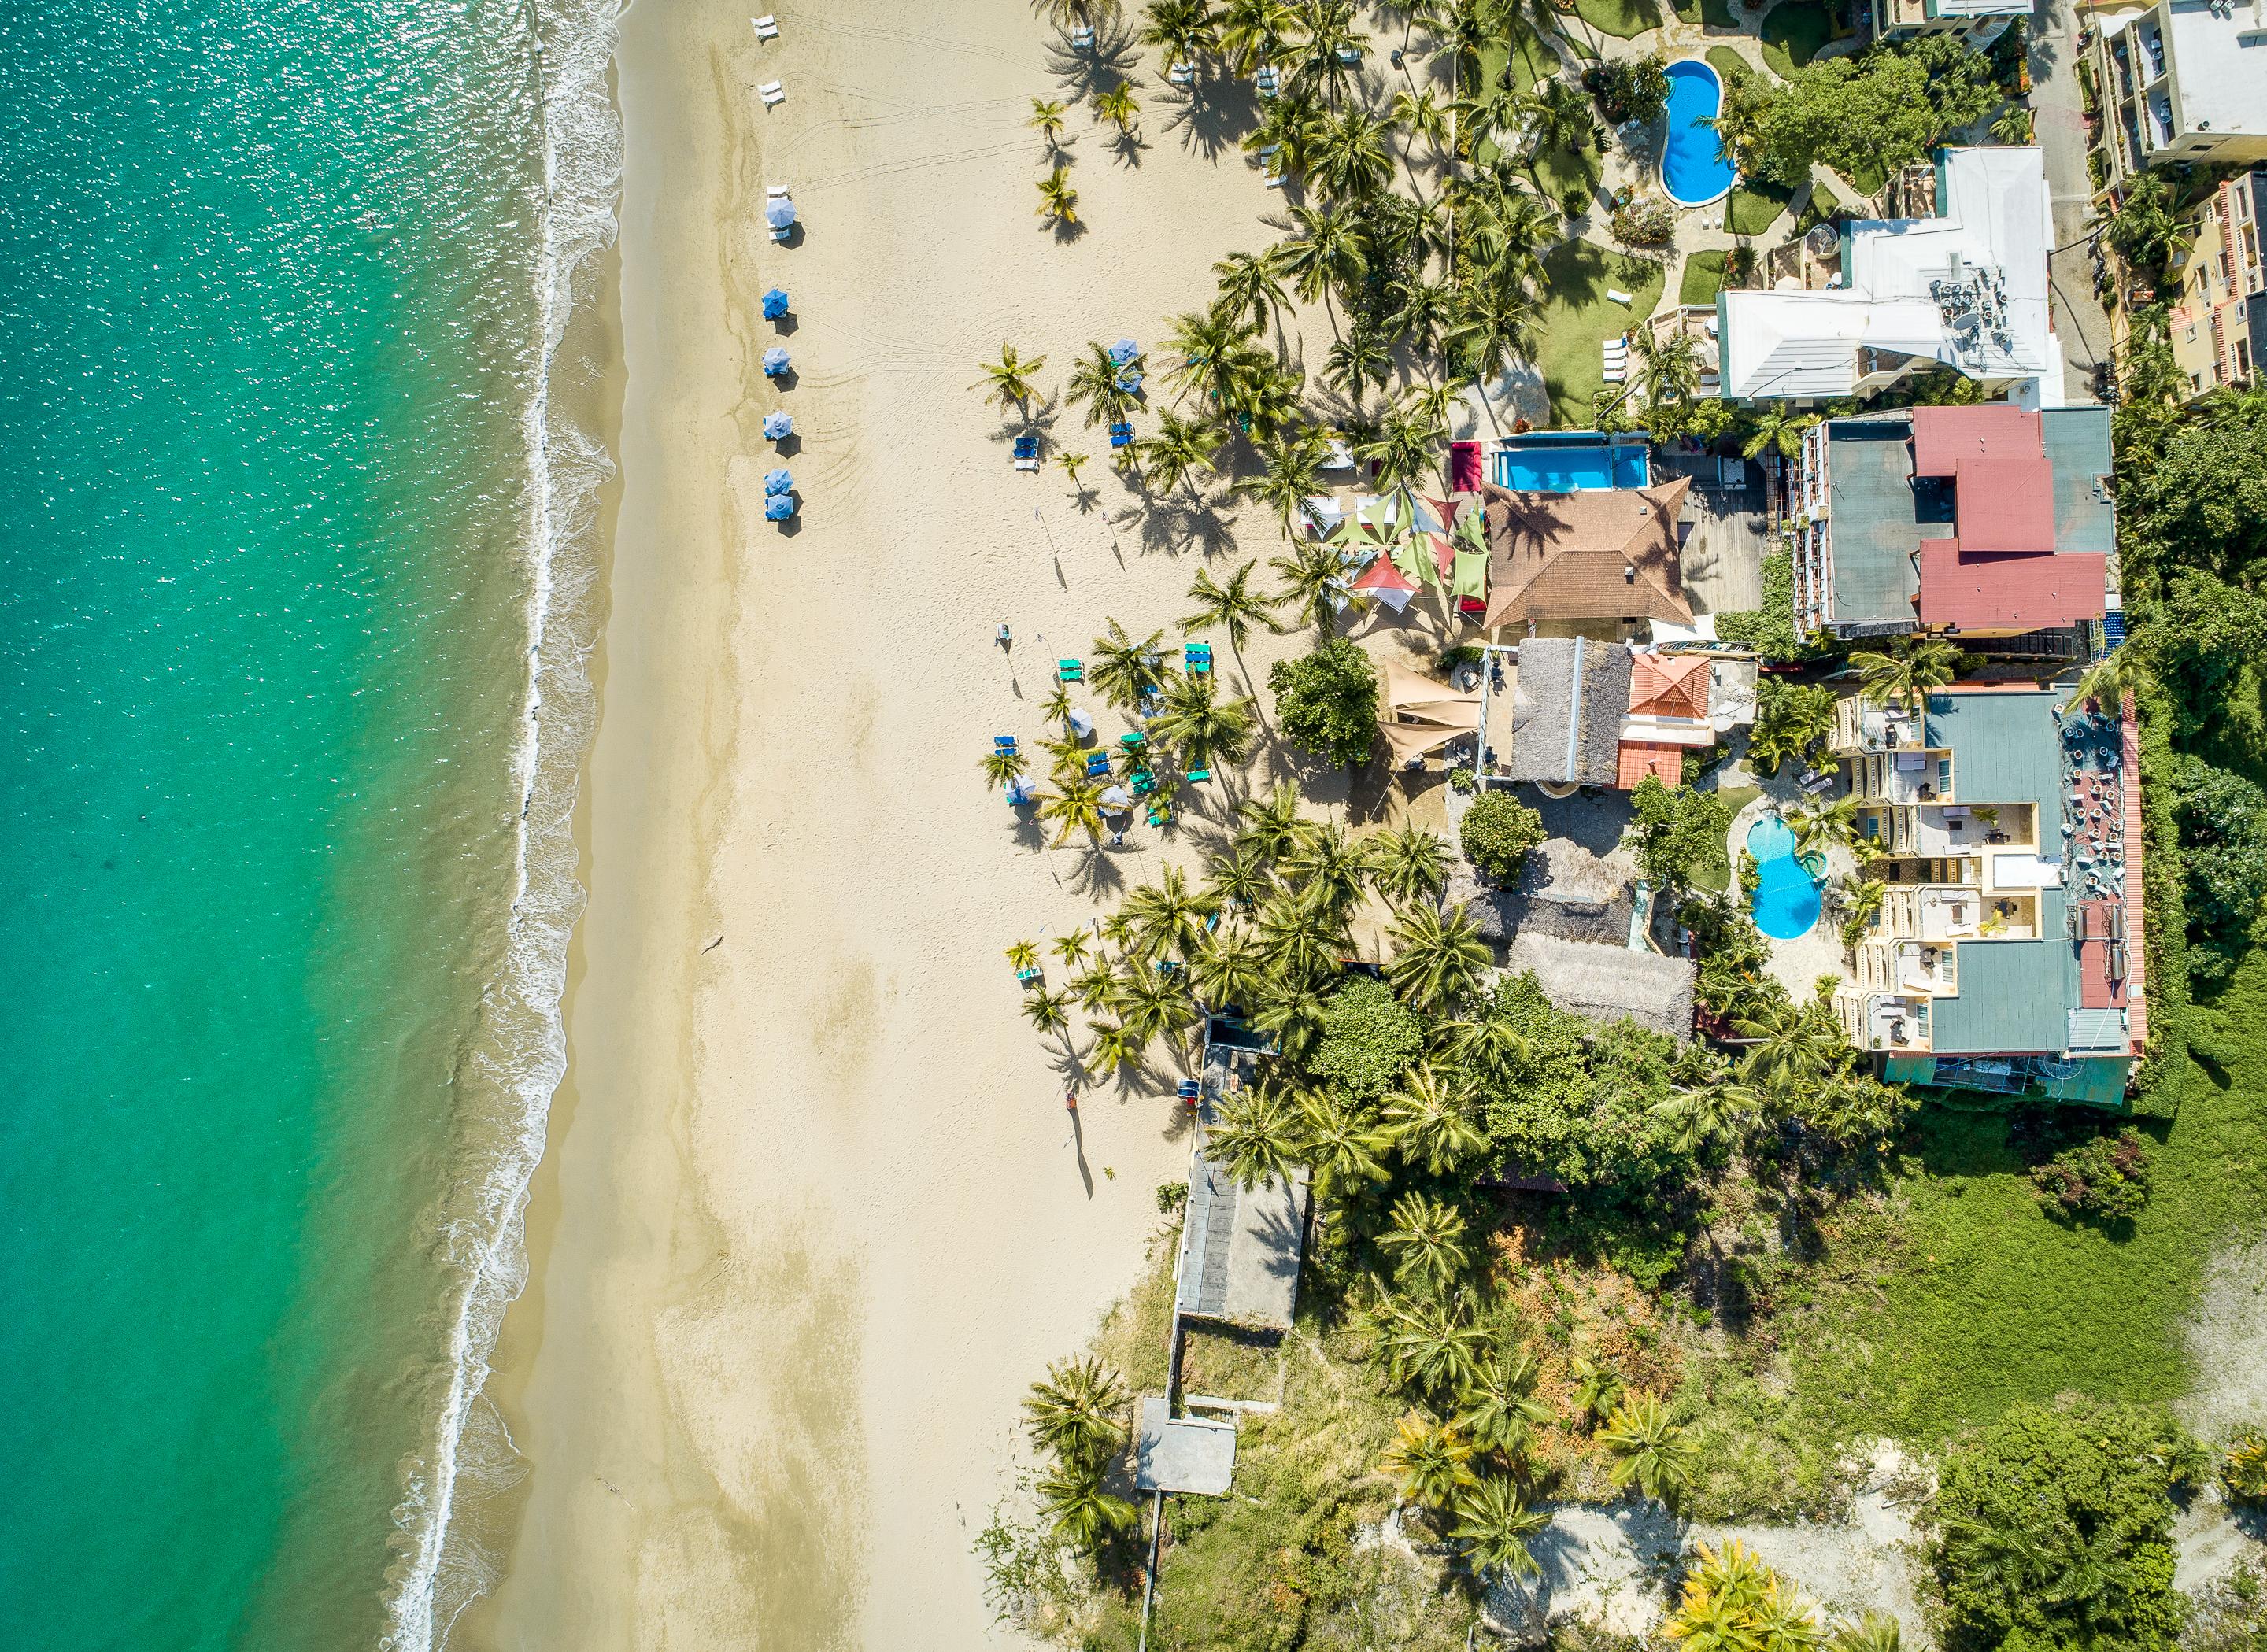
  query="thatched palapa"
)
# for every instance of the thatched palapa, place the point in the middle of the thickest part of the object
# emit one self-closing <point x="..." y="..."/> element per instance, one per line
<point x="1568" y="706"/>
<point x="1605" y="983"/>
<point x="1562" y="890"/>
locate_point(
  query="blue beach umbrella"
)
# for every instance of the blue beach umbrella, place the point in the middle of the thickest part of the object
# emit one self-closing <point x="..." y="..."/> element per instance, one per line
<point x="775" y="360"/>
<point x="779" y="212"/>
<point x="774" y="303"/>
<point x="779" y="507"/>
<point x="777" y="424"/>
<point x="777" y="482"/>
<point x="1124" y="351"/>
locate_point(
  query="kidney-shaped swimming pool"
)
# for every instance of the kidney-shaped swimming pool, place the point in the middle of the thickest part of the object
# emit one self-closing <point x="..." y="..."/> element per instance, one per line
<point x="1694" y="168"/>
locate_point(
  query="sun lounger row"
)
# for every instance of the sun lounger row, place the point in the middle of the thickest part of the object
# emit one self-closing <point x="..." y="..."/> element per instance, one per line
<point x="773" y="94"/>
<point x="766" y="26"/>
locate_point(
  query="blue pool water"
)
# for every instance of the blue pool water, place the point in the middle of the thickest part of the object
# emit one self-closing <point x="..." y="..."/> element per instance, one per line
<point x="1536" y="465"/>
<point x="1786" y="903"/>
<point x="1694" y="168"/>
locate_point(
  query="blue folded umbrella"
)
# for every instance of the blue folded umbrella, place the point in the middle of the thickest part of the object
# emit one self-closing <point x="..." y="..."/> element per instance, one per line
<point x="1124" y="351"/>
<point x="774" y="303"/>
<point x="777" y="423"/>
<point x="1129" y="381"/>
<point x="779" y="507"/>
<point x="779" y="212"/>
<point x="777" y="482"/>
<point x="775" y="360"/>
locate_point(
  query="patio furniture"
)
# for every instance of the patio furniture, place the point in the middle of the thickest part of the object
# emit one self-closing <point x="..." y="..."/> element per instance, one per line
<point x="767" y="28"/>
<point x="1069" y="671"/>
<point x="773" y="94"/>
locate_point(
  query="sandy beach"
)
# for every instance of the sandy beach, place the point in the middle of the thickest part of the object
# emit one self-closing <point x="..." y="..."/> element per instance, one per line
<point x="813" y="1213"/>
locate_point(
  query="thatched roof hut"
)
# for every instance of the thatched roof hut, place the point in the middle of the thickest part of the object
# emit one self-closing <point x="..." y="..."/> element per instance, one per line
<point x="1605" y="983"/>
<point x="1562" y="890"/>
<point x="1568" y="705"/>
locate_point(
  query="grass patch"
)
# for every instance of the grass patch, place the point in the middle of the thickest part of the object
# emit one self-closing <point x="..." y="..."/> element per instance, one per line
<point x="1729" y="64"/>
<point x="1793" y="32"/>
<point x="1577" y="318"/>
<point x="1625" y="19"/>
<point x="1956" y="1297"/>
<point x="1817" y="209"/>
<point x="1229" y="1364"/>
<point x="1714" y="14"/>
<point x="1704" y="277"/>
<point x="1867" y="179"/>
<point x="1753" y="208"/>
<point x="1557" y="170"/>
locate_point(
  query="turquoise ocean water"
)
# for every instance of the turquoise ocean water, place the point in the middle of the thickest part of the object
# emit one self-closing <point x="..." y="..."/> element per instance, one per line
<point x="296" y="577"/>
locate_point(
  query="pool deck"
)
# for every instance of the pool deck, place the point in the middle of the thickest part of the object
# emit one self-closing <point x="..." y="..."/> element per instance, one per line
<point x="1796" y="964"/>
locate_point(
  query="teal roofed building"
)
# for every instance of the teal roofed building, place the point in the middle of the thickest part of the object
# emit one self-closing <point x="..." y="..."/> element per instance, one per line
<point x="2006" y="956"/>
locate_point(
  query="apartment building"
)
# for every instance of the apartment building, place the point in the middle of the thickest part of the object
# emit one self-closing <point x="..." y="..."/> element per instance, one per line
<point x="1986" y="522"/>
<point x="2182" y="81"/>
<point x="1981" y="21"/>
<point x="2219" y="322"/>
<point x="2006" y="956"/>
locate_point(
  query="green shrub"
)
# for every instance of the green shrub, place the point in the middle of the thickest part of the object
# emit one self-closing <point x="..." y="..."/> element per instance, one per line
<point x="1677" y="833"/>
<point x="1770" y="629"/>
<point x="1327" y="701"/>
<point x="1497" y="831"/>
<point x="1628" y="88"/>
<point x="2223" y="822"/>
<point x="2105" y="1179"/>
<point x="2243" y="1470"/>
<point x="1369" y="1036"/>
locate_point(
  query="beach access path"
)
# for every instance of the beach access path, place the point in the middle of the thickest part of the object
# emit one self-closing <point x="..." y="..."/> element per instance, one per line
<point x="813" y="1214"/>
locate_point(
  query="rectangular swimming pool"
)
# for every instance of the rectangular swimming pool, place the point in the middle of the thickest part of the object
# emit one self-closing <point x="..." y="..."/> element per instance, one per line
<point x="1569" y="463"/>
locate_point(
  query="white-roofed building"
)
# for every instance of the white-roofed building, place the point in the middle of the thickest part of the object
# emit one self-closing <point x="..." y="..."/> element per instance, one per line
<point x="1966" y="288"/>
<point x="1984" y="20"/>
<point x="2184" y="81"/>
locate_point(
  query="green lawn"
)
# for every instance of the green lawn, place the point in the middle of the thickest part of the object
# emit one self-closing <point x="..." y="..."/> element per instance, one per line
<point x="1793" y="32"/>
<point x="1818" y="208"/>
<point x="1577" y="317"/>
<point x="1704" y="277"/>
<point x="1754" y="207"/>
<point x="1963" y="1297"/>
<point x="1625" y="19"/>
<point x="1729" y="64"/>
<point x="1556" y="169"/>
<point x="1715" y="14"/>
<point x="1869" y="178"/>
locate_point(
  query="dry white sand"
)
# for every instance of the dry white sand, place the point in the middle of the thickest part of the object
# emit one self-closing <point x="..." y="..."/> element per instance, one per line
<point x="814" y="1213"/>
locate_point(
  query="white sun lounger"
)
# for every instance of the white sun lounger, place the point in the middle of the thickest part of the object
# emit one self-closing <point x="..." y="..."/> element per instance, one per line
<point x="771" y="92"/>
<point x="1339" y="458"/>
<point x="1616" y="375"/>
<point x="1082" y="38"/>
<point x="767" y="28"/>
<point x="1618" y="295"/>
<point x="774" y="192"/>
<point x="1027" y="464"/>
<point x="1273" y="180"/>
<point x="1183" y="75"/>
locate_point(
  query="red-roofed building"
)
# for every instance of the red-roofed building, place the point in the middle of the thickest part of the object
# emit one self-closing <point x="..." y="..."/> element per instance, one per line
<point x="1637" y="759"/>
<point x="2008" y="593"/>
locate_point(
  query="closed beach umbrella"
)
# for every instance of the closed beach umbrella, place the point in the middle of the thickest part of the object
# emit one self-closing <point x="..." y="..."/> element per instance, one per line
<point x="774" y="303"/>
<point x="779" y="507"/>
<point x="779" y="212"/>
<point x="776" y="359"/>
<point x="777" y="482"/>
<point x="1124" y="351"/>
<point x="777" y="424"/>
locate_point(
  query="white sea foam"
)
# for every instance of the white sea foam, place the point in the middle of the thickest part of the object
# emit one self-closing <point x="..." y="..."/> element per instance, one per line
<point x="511" y="1075"/>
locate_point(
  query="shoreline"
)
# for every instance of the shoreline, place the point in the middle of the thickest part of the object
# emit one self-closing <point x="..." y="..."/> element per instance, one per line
<point x="809" y="1218"/>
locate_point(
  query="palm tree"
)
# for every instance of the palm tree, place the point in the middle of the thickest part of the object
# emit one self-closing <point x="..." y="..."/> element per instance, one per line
<point x="1248" y="288"/>
<point x="1022" y="956"/>
<point x="1235" y="608"/>
<point x="1169" y="920"/>
<point x="1863" y="904"/>
<point x="1428" y="1237"/>
<point x="1438" y="960"/>
<point x="1082" y="1514"/>
<point x="1151" y="1006"/>
<point x="1009" y="378"/>
<point x="1557" y="116"/>
<point x="1795" y="1047"/>
<point x="1291" y="1014"/>
<point x="1654" y="1453"/>
<point x="1181" y="29"/>
<point x="1120" y="108"/>
<point x="1904" y="675"/>
<point x="1489" y="1045"/>
<point x="1124" y="670"/>
<point x="1237" y="882"/>
<point x="1330" y="30"/>
<point x="1792" y="718"/>
<point x="1429" y="1461"/>
<point x="2106" y="681"/>
<point x="1707" y="1112"/>
<point x="1429" y="1346"/>
<point x="1780" y="428"/>
<point x="1422" y="311"/>
<point x="1290" y="471"/>
<point x="1408" y="863"/>
<point x="1116" y="1047"/>
<point x="1406" y="446"/>
<point x="1301" y="933"/>
<point x="1094" y="386"/>
<point x="1095" y="986"/>
<point x="1253" y="31"/>
<point x="1227" y="970"/>
<point x="1493" y="319"/>
<point x="1078" y="1413"/>
<point x="1074" y="807"/>
<point x="1071" y="948"/>
<point x="1046" y="1011"/>
<point x="1204" y="340"/>
<point x="1048" y="120"/>
<point x="1598" y="1388"/>
<point x="1426" y="117"/>
<point x="1498" y="1408"/>
<point x="1339" y="1144"/>
<point x="1312" y="574"/>
<point x="1180" y="448"/>
<point x="1494" y="1526"/>
<point x="1256" y="1136"/>
<point x="1058" y="201"/>
<point x="1003" y="766"/>
<point x="1669" y="364"/>
<point x="1431" y="1120"/>
<point x="1201" y="726"/>
<point x="1072" y="464"/>
<point x="1349" y="161"/>
<point x="1271" y="825"/>
<point x="1326" y="862"/>
<point x="1820" y="827"/>
<point x="1326" y="253"/>
<point x="1358" y="362"/>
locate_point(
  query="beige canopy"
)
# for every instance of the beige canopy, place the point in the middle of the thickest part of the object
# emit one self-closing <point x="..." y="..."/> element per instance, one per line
<point x="1417" y="715"/>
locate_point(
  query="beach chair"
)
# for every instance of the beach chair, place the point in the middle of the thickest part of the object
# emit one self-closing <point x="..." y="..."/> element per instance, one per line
<point x="1350" y="55"/>
<point x="1097" y="765"/>
<point x="1616" y="375"/>
<point x="1198" y="775"/>
<point x="1618" y="295"/>
<point x="1027" y="977"/>
<point x="1160" y="813"/>
<point x="1144" y="782"/>
<point x="1121" y="436"/>
<point x="1069" y="671"/>
<point x="1198" y="657"/>
<point x="774" y="192"/>
<point x="773" y="94"/>
<point x="1182" y="77"/>
<point x="1082" y="38"/>
<point x="1003" y="742"/>
<point x="1273" y="180"/>
<point x="1027" y="452"/>
<point x="767" y="28"/>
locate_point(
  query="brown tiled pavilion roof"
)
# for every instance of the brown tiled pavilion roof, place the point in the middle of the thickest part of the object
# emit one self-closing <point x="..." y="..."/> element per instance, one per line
<point x="1608" y="553"/>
